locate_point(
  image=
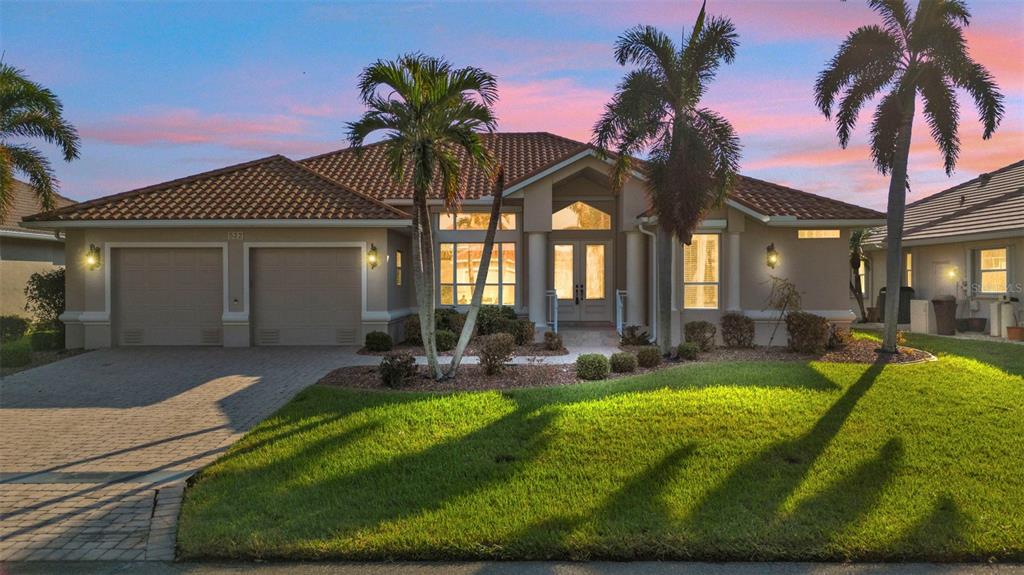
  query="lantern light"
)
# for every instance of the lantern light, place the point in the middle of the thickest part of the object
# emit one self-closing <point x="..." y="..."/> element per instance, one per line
<point x="372" y="258"/>
<point x="93" y="257"/>
<point x="772" y="257"/>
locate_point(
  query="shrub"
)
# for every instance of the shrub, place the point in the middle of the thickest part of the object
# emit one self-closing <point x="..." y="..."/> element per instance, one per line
<point x="553" y="341"/>
<point x="12" y="327"/>
<point x="838" y="337"/>
<point x="701" y="333"/>
<point x="15" y="354"/>
<point x="489" y="320"/>
<point x="808" y="333"/>
<point x="397" y="368"/>
<point x="495" y="350"/>
<point x="687" y="350"/>
<point x="649" y="356"/>
<point x="412" y="330"/>
<point x="634" y="335"/>
<point x="623" y="362"/>
<point x="901" y="338"/>
<point x="445" y="340"/>
<point x="524" y="331"/>
<point x="737" y="330"/>
<point x="449" y="319"/>
<point x="46" y="340"/>
<point x="378" y="341"/>
<point x="592" y="366"/>
<point x="45" y="298"/>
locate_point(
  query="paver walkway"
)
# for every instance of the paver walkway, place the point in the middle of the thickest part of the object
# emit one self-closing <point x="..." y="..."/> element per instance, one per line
<point x="96" y="447"/>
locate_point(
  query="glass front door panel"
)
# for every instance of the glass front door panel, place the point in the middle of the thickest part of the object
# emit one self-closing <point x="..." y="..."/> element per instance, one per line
<point x="564" y="262"/>
<point x="595" y="271"/>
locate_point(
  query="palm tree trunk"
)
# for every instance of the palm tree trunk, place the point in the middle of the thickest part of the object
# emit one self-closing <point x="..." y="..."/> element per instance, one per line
<point x="664" y="279"/>
<point x="894" y="225"/>
<point x="423" y="270"/>
<point x="859" y="296"/>
<point x="481" y="277"/>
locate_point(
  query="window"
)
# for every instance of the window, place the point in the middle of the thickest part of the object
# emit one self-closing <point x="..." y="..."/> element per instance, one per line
<point x="398" y="268"/>
<point x="992" y="264"/>
<point x="474" y="221"/>
<point x="580" y="216"/>
<point x="910" y="270"/>
<point x="459" y="264"/>
<point x="818" y="234"/>
<point x="700" y="272"/>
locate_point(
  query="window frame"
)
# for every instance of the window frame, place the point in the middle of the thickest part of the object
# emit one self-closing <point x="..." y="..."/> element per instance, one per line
<point x="455" y="284"/>
<point x="981" y="270"/>
<point x="455" y="222"/>
<point x="819" y="234"/>
<point x="398" y="268"/>
<point x="908" y="269"/>
<point x="718" y="275"/>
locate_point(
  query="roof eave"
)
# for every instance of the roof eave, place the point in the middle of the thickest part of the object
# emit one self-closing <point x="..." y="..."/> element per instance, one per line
<point x="284" y="223"/>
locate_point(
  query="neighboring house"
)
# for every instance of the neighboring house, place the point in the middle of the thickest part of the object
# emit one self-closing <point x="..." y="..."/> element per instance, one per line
<point x="967" y="242"/>
<point x="278" y="252"/>
<point x="25" y="251"/>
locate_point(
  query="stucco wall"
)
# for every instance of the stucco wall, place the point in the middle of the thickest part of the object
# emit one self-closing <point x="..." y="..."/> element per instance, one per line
<point x="87" y="289"/>
<point x="19" y="259"/>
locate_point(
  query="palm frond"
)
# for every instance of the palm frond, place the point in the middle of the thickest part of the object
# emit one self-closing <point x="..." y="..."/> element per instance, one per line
<point x="885" y="128"/>
<point x="895" y="14"/>
<point x="34" y="164"/>
<point x="942" y="112"/>
<point x="862" y="89"/>
<point x="708" y="49"/>
<point x="647" y="47"/>
<point x="866" y="50"/>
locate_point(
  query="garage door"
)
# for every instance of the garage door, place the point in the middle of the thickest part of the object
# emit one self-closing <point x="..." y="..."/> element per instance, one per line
<point x="306" y="296"/>
<point x="168" y="296"/>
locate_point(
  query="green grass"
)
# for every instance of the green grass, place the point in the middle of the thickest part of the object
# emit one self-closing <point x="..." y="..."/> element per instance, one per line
<point x="717" y="461"/>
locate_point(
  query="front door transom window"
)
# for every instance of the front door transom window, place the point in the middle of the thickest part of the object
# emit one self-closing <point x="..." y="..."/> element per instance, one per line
<point x="580" y="216"/>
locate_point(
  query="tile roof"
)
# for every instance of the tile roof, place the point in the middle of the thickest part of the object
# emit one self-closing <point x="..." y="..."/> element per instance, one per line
<point x="776" y="200"/>
<point x="272" y="188"/>
<point x="990" y="203"/>
<point x="25" y="204"/>
<point x="523" y="154"/>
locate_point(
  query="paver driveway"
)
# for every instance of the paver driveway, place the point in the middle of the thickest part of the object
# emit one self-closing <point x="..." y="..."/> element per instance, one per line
<point x="94" y="449"/>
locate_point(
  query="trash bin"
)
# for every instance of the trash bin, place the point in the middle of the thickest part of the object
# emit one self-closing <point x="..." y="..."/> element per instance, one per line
<point x="945" y="314"/>
<point x="906" y="294"/>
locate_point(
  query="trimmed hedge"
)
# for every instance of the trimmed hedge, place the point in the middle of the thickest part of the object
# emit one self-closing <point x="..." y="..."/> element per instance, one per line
<point x="378" y="341"/>
<point x="445" y="340"/>
<point x="808" y="333"/>
<point x="495" y="319"/>
<point x="701" y="333"/>
<point x="15" y="353"/>
<point x="46" y="340"/>
<point x="737" y="330"/>
<point x="687" y="350"/>
<point x="495" y="350"/>
<point x="12" y="327"/>
<point x="649" y="356"/>
<point x="553" y="341"/>
<point x="634" y="335"/>
<point x="412" y="330"/>
<point x="592" y="366"/>
<point x="397" y="368"/>
<point x="623" y="362"/>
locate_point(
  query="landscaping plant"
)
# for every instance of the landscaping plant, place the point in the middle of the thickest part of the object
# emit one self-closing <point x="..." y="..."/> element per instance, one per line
<point x="431" y="113"/>
<point x="44" y="295"/>
<point x="397" y="368"/>
<point x="28" y="110"/>
<point x="12" y="327"/>
<point x="15" y="353"/>
<point x="634" y="335"/>
<point x="687" y="351"/>
<point x="592" y="366"/>
<point x="808" y="333"/>
<point x="46" y="340"/>
<point x="446" y="340"/>
<point x="378" y="341"/>
<point x="701" y="333"/>
<point x="649" y="356"/>
<point x="495" y="351"/>
<point x="692" y="153"/>
<point x="553" y="341"/>
<point x="623" y="362"/>
<point x="737" y="330"/>
<point x="921" y="53"/>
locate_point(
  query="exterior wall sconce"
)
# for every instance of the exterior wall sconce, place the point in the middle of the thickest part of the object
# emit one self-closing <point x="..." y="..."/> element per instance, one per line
<point x="93" y="257"/>
<point x="372" y="257"/>
<point x="772" y="257"/>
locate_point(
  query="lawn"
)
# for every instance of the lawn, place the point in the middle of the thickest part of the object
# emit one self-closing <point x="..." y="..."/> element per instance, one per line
<point x="715" y="461"/>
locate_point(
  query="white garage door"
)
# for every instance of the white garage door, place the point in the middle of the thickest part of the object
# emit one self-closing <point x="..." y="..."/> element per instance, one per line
<point x="168" y="296"/>
<point x="306" y="296"/>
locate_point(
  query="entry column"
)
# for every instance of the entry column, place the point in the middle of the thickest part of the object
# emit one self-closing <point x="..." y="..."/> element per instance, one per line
<point x="537" y="244"/>
<point x="635" y="278"/>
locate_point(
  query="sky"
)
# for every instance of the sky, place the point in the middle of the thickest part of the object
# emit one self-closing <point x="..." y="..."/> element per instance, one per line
<point x="161" y="90"/>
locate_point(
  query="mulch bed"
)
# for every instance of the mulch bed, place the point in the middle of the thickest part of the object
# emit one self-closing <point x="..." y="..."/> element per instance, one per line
<point x="472" y="377"/>
<point x="533" y="349"/>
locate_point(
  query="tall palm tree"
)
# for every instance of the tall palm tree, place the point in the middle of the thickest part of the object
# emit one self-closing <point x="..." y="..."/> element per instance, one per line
<point x="428" y="111"/>
<point x="693" y="152"/>
<point x="28" y="110"/>
<point x="921" y="53"/>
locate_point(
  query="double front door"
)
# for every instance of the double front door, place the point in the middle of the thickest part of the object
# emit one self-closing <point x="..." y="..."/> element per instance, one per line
<point x="581" y="273"/>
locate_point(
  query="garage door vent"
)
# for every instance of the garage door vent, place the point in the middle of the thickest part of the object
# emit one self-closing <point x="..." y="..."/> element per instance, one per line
<point x="209" y="336"/>
<point x="131" y="337"/>
<point x="345" y="336"/>
<point x="268" y="337"/>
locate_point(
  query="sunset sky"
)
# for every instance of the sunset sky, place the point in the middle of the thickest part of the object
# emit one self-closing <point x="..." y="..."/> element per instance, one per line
<point x="163" y="90"/>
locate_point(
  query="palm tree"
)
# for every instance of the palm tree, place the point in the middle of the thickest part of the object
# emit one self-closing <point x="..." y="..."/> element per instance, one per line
<point x="693" y="151"/>
<point x="428" y="110"/>
<point x="28" y="110"/>
<point x="858" y="259"/>
<point x="921" y="53"/>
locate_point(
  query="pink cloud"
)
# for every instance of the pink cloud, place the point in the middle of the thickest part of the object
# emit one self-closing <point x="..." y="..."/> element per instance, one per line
<point x="182" y="127"/>
<point x="542" y="106"/>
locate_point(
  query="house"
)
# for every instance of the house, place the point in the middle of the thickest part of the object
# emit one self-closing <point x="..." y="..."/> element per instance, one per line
<point x="25" y="251"/>
<point x="967" y="242"/>
<point x="279" y="252"/>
